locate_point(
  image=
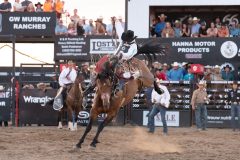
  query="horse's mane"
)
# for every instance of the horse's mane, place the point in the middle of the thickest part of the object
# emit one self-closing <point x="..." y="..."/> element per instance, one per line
<point x="151" y="48"/>
<point x="106" y="73"/>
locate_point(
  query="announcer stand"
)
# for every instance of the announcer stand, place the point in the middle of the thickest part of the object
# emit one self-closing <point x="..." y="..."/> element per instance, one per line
<point x="179" y="111"/>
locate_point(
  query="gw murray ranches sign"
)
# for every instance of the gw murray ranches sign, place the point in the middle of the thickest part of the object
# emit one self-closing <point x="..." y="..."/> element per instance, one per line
<point x="41" y="24"/>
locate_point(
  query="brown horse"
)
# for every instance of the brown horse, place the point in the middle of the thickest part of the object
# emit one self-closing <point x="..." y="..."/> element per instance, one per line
<point x="104" y="103"/>
<point x="73" y="104"/>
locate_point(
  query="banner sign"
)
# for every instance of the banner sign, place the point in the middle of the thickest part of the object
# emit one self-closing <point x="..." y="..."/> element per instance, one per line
<point x="5" y="109"/>
<point x="28" y="23"/>
<point x="83" y="118"/>
<point x="71" y="48"/>
<point x="172" y="118"/>
<point x="32" y="109"/>
<point x="102" y="45"/>
<point x="219" y="119"/>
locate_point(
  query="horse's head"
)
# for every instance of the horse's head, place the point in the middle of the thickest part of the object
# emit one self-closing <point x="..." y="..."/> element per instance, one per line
<point x="104" y="87"/>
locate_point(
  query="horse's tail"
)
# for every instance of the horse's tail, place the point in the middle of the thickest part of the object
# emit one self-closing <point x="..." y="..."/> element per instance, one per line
<point x="151" y="48"/>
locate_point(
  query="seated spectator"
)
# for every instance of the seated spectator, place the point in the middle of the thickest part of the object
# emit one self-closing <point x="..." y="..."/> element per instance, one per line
<point x="25" y="4"/>
<point x="75" y="17"/>
<point x="59" y="8"/>
<point x="203" y="30"/>
<point x="175" y="74"/>
<point x="185" y="31"/>
<point x="234" y="31"/>
<point x="189" y="76"/>
<point x="195" y="27"/>
<point x="218" y="23"/>
<point x="207" y="73"/>
<point x="177" y="29"/>
<point x="39" y="7"/>
<point x="153" y="27"/>
<point x="72" y="31"/>
<point x="17" y="6"/>
<point x="61" y="29"/>
<point x="184" y="68"/>
<point x="216" y="74"/>
<point x="30" y="8"/>
<point x="227" y="73"/>
<point x="80" y="29"/>
<point x="212" y="31"/>
<point x="90" y="29"/>
<point x="160" y="25"/>
<point x="100" y="30"/>
<point x="48" y="6"/>
<point x="5" y="6"/>
<point x="223" y="31"/>
<point x="190" y="23"/>
<point x="168" y="31"/>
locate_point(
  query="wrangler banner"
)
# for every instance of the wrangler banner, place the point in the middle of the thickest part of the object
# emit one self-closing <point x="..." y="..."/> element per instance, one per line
<point x="32" y="109"/>
<point x="28" y="24"/>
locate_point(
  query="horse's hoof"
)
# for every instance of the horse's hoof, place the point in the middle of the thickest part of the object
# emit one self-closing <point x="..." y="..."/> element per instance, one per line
<point x="77" y="146"/>
<point x="93" y="145"/>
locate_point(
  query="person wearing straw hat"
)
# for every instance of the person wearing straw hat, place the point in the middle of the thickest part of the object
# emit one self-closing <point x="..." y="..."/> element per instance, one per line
<point x="195" y="27"/>
<point x="234" y="101"/>
<point x="198" y="102"/>
<point x="160" y="104"/>
<point x="160" y="25"/>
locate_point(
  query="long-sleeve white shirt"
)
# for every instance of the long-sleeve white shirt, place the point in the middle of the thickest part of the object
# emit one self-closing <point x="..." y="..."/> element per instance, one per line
<point x="163" y="99"/>
<point x="64" y="78"/>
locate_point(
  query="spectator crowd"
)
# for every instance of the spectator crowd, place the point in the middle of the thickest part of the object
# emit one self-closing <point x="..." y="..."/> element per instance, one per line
<point x="194" y="27"/>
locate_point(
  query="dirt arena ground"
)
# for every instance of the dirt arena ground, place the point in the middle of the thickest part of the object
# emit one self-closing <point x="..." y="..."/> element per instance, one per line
<point x="119" y="143"/>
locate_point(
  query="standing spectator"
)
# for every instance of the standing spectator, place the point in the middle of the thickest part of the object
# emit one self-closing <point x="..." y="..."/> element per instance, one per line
<point x="223" y="31"/>
<point x="30" y="8"/>
<point x="227" y="73"/>
<point x="208" y="73"/>
<point x="48" y="6"/>
<point x="54" y="83"/>
<point x="85" y="70"/>
<point x="120" y="19"/>
<point x="212" y="31"/>
<point x="177" y="29"/>
<point x="160" y="104"/>
<point x="184" y="68"/>
<point x="75" y="17"/>
<point x="234" y="31"/>
<point x="25" y="4"/>
<point x="175" y="74"/>
<point x="111" y="29"/>
<point x="80" y="29"/>
<point x="100" y="19"/>
<point x="160" y="25"/>
<point x="189" y="76"/>
<point x="218" y="23"/>
<point x="5" y="6"/>
<point x="39" y="7"/>
<point x="17" y="6"/>
<point x="168" y="31"/>
<point x="233" y="99"/>
<point x="185" y="31"/>
<point x="203" y="30"/>
<point x="3" y="94"/>
<point x="72" y="31"/>
<point x="100" y="30"/>
<point x="199" y="98"/>
<point x="190" y="23"/>
<point x="90" y="29"/>
<point x="165" y="70"/>
<point x="60" y="28"/>
<point x="84" y="22"/>
<point x="59" y="8"/>
<point x="195" y="27"/>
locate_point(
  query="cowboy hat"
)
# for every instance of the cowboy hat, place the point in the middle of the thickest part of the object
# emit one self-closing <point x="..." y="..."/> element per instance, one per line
<point x="40" y="85"/>
<point x="202" y="83"/>
<point x="175" y="64"/>
<point x="128" y="36"/>
<point x="39" y="3"/>
<point x="177" y="21"/>
<point x="70" y="62"/>
<point x="216" y="67"/>
<point x="207" y="66"/>
<point x="83" y="18"/>
<point x="165" y="64"/>
<point x="184" y="63"/>
<point x="92" y="66"/>
<point x="119" y="17"/>
<point x="227" y="66"/>
<point x="195" y="19"/>
<point x="162" y="16"/>
<point x="85" y="64"/>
